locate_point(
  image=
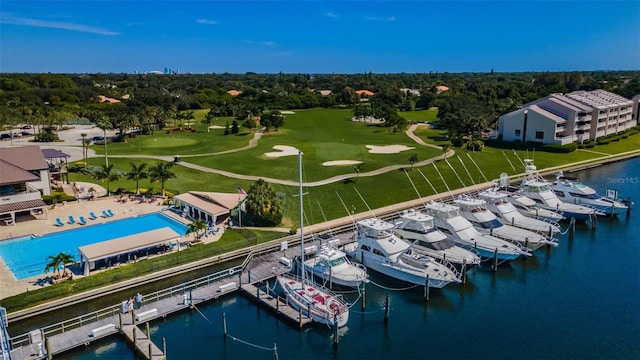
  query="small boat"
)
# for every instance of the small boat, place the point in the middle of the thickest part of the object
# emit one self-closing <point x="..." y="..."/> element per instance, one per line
<point x="380" y="250"/>
<point x="417" y="228"/>
<point x="498" y="203"/>
<point x="572" y="191"/>
<point x="539" y="190"/>
<point x="475" y="210"/>
<point x="447" y="219"/>
<point x="315" y="302"/>
<point x="332" y="266"/>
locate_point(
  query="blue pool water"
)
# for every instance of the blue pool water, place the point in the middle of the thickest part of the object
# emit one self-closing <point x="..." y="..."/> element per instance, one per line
<point x="27" y="256"/>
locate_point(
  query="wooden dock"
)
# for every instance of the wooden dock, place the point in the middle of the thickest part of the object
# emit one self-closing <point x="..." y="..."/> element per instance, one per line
<point x="141" y="342"/>
<point x="276" y="304"/>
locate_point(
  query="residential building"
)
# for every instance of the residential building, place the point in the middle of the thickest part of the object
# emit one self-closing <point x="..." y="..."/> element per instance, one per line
<point x="636" y="112"/>
<point x="565" y="118"/>
<point x="24" y="178"/>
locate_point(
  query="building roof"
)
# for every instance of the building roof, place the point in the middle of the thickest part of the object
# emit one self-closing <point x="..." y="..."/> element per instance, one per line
<point x="598" y="98"/>
<point x="234" y="92"/>
<point x="365" y="92"/>
<point x="11" y="174"/>
<point x="442" y="88"/>
<point x="102" y="99"/>
<point x="22" y="206"/>
<point x="53" y="153"/>
<point x="127" y="244"/>
<point x="211" y="202"/>
<point x="25" y="157"/>
<point x="545" y="113"/>
<point x="325" y="92"/>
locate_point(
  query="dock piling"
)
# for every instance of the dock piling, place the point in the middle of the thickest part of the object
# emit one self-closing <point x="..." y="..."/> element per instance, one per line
<point x="594" y="222"/>
<point x="426" y="288"/>
<point x="464" y="271"/>
<point x="148" y="331"/>
<point x="275" y="351"/>
<point x="120" y="322"/>
<point x="572" y="228"/>
<point x="335" y="332"/>
<point x="47" y="347"/>
<point x="164" y="347"/>
<point x="224" y="325"/>
<point x="386" y="310"/>
<point x="495" y="260"/>
<point x="364" y="296"/>
<point x="135" y="336"/>
<point x="150" y="351"/>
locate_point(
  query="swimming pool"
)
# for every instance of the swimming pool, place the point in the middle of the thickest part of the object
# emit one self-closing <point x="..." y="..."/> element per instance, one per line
<point x="27" y="256"/>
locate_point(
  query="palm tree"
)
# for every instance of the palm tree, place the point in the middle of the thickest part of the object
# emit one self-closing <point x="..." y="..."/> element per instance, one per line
<point x="136" y="173"/>
<point x="55" y="262"/>
<point x="105" y="125"/>
<point x="106" y="174"/>
<point x="161" y="173"/>
<point x="195" y="227"/>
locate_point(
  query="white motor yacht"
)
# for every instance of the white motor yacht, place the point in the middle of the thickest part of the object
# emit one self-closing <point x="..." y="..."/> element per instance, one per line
<point x="475" y="210"/>
<point x="332" y="267"/>
<point x="530" y="208"/>
<point x="572" y="191"/>
<point x="447" y="219"/>
<point x="539" y="190"/>
<point x="379" y="249"/>
<point x="498" y="204"/>
<point x="313" y="301"/>
<point x="417" y="228"/>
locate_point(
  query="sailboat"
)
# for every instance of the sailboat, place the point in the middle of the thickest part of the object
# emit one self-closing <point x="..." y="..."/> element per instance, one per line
<point x="303" y="295"/>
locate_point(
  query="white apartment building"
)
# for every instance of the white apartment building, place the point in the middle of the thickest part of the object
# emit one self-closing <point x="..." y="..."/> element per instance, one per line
<point x="565" y="118"/>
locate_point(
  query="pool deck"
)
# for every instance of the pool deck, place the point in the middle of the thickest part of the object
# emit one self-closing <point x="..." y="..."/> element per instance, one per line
<point x="45" y="224"/>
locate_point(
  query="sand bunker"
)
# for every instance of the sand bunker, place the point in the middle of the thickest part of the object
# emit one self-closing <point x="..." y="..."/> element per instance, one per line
<point x="287" y="112"/>
<point x="284" y="150"/>
<point x="389" y="149"/>
<point x="216" y="127"/>
<point x="341" y="162"/>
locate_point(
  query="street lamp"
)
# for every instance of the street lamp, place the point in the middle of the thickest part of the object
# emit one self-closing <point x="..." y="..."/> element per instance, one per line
<point x="524" y="130"/>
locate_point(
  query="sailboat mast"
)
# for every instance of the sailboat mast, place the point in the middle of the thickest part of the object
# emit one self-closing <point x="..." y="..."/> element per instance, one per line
<point x="301" y="216"/>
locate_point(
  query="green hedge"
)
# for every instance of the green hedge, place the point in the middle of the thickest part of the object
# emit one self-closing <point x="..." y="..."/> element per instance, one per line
<point x="56" y="197"/>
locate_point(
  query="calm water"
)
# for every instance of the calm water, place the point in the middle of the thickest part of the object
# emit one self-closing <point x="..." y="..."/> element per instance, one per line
<point x="26" y="257"/>
<point x="578" y="301"/>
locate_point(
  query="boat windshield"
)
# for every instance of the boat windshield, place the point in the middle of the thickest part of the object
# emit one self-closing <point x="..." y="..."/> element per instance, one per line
<point x="593" y="196"/>
<point x="436" y="245"/>
<point x="491" y="224"/>
<point x="339" y="261"/>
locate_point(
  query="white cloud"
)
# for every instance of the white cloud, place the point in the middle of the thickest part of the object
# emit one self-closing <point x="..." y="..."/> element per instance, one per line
<point x="330" y="14"/>
<point x="373" y="18"/>
<point x="12" y="20"/>
<point x="207" y="22"/>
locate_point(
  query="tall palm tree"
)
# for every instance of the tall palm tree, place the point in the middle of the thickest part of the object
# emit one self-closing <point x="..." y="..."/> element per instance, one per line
<point x="106" y="174"/>
<point x="195" y="227"/>
<point x="105" y="125"/>
<point x="136" y="173"/>
<point x="161" y="173"/>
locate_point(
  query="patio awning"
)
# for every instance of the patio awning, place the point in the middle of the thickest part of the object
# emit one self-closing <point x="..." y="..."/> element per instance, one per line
<point x="208" y="204"/>
<point x="127" y="244"/>
<point x="22" y="206"/>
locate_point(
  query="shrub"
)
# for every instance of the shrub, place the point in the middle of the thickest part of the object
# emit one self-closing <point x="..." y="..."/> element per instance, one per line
<point x="474" y="145"/>
<point x="56" y="197"/>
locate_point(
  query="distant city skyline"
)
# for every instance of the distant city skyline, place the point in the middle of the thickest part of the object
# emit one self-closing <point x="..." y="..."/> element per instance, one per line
<point x="318" y="37"/>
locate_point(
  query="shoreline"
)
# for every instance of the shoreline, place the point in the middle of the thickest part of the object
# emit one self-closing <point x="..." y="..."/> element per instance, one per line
<point x="163" y="274"/>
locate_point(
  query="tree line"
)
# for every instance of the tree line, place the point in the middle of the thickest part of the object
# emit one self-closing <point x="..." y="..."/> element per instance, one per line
<point x="473" y="101"/>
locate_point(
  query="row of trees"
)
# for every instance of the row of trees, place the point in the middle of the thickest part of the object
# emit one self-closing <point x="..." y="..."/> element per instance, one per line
<point x="158" y="173"/>
<point x="158" y="100"/>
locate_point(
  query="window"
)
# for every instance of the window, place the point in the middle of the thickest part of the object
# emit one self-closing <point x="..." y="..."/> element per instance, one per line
<point x="539" y="134"/>
<point x="517" y="132"/>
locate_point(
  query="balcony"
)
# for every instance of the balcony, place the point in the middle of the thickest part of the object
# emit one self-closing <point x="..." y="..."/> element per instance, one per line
<point x="18" y="197"/>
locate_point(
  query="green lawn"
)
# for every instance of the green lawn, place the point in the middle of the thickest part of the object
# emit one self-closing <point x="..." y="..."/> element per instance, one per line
<point x="420" y="115"/>
<point x="181" y="143"/>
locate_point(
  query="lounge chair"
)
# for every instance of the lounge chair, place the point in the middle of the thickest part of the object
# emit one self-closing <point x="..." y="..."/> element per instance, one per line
<point x="92" y="216"/>
<point x="110" y="213"/>
<point x="83" y="221"/>
<point x="71" y="220"/>
<point x="105" y="214"/>
<point x="59" y="222"/>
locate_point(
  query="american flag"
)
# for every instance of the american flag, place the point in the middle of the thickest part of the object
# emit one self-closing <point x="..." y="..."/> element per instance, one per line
<point x="241" y="191"/>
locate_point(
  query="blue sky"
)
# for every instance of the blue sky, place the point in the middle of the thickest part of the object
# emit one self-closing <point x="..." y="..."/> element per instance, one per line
<point x="318" y="36"/>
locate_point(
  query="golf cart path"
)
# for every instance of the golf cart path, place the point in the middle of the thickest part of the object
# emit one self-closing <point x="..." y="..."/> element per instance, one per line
<point x="254" y="142"/>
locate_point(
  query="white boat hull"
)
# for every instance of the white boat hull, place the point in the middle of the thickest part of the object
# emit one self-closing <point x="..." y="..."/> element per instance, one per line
<point x="317" y="304"/>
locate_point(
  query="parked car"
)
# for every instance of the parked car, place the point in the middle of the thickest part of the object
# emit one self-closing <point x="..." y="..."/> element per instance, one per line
<point x="5" y="136"/>
<point x="27" y="127"/>
<point x="26" y="133"/>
